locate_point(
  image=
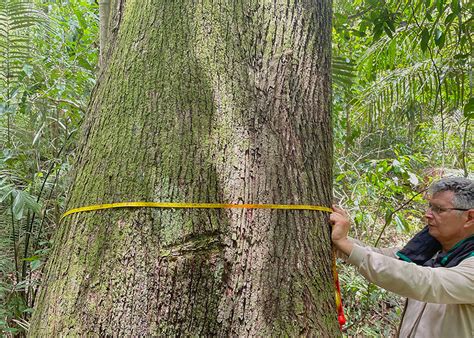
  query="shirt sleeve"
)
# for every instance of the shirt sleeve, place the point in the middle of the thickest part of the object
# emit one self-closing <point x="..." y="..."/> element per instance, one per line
<point x="391" y="252"/>
<point x="432" y="285"/>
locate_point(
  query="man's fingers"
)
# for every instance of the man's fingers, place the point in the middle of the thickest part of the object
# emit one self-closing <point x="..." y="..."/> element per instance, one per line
<point x="336" y="217"/>
<point x="338" y="209"/>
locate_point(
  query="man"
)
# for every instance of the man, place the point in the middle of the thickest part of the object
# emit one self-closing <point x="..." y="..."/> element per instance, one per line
<point x="435" y="270"/>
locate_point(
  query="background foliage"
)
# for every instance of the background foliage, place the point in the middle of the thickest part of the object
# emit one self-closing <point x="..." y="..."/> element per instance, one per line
<point x="403" y="113"/>
<point x="402" y="106"/>
<point x="48" y="56"/>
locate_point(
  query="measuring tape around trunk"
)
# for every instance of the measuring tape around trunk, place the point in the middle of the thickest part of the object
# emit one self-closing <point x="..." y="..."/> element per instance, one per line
<point x="173" y="205"/>
<point x="194" y="206"/>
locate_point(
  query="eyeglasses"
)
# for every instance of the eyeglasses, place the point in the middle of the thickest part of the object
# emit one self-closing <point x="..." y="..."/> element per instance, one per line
<point x="438" y="210"/>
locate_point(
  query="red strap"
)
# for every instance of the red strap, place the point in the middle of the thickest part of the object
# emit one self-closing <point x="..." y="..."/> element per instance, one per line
<point x="340" y="309"/>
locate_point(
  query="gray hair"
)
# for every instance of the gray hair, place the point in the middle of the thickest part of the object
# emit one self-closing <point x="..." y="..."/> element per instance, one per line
<point x="463" y="189"/>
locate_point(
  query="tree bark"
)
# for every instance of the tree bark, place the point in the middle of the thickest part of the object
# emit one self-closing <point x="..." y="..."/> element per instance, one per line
<point x="211" y="101"/>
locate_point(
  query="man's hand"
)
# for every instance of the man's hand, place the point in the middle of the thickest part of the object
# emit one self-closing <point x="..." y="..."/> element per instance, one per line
<point x="340" y="228"/>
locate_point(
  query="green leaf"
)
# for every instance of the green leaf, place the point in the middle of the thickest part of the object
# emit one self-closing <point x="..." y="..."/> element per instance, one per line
<point x="35" y="265"/>
<point x="31" y="259"/>
<point x="392" y="53"/>
<point x="391" y="24"/>
<point x="455" y="6"/>
<point x="18" y="205"/>
<point x="428" y="16"/>
<point x="22" y="201"/>
<point x="388" y="216"/>
<point x="425" y="37"/>
<point x="340" y="19"/>
<point x="5" y="191"/>
<point x="358" y="33"/>
<point x="80" y="18"/>
<point x="23" y="285"/>
<point x="84" y="63"/>
<point x="449" y="19"/>
<point x="28" y="69"/>
<point x="396" y="167"/>
<point x="402" y="224"/>
<point x="439" y="5"/>
<point x="387" y="30"/>
<point x="378" y="30"/>
<point x="469" y="108"/>
<point x="461" y="56"/>
<point x="439" y="37"/>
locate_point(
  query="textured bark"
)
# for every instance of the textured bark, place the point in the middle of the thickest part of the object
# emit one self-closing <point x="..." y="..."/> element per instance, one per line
<point x="211" y="101"/>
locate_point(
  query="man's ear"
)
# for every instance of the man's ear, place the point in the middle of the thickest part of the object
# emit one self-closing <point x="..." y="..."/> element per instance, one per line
<point x="470" y="219"/>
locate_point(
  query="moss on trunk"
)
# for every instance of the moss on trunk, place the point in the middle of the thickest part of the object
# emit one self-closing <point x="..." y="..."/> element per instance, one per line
<point x="211" y="101"/>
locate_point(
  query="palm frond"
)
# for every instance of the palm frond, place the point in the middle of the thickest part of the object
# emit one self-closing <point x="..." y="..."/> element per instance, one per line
<point x="343" y="72"/>
<point x="396" y="93"/>
<point x="17" y="18"/>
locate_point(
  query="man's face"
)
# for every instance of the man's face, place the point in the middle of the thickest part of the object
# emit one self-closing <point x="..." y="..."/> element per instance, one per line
<point x="446" y="225"/>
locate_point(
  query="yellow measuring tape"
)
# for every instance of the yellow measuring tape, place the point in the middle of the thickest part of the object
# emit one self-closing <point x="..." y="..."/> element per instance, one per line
<point x="195" y="206"/>
<point x="218" y="206"/>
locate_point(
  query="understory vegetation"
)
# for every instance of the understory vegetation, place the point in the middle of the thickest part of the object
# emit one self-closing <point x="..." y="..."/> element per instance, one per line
<point x="402" y="114"/>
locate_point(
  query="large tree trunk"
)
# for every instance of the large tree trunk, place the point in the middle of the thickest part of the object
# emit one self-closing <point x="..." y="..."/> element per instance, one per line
<point x="209" y="101"/>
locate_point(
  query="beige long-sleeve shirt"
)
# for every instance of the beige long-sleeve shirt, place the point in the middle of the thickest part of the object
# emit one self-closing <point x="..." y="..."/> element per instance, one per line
<point x="440" y="300"/>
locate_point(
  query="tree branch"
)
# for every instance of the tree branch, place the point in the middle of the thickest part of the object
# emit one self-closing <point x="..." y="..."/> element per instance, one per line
<point x="104" y="14"/>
